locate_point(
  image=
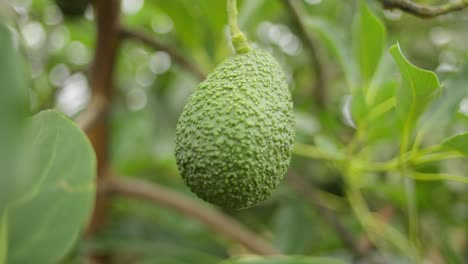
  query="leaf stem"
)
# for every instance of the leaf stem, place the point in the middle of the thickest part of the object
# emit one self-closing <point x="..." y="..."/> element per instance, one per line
<point x="413" y="217"/>
<point x="314" y="152"/>
<point x="436" y="157"/>
<point x="238" y="39"/>
<point x="419" y="176"/>
<point x="375" y="227"/>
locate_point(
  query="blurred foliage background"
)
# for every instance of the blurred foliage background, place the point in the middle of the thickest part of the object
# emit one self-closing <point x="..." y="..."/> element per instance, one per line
<point x="151" y="90"/>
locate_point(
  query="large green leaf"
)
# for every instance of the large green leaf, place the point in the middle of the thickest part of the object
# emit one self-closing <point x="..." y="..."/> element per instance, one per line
<point x="14" y="101"/>
<point x="458" y="143"/>
<point x="418" y="90"/>
<point x="48" y="169"/>
<point x="45" y="222"/>
<point x="282" y="260"/>
<point x="368" y="42"/>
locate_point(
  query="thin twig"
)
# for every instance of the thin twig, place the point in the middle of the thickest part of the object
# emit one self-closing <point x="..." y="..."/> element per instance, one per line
<point x="173" y="53"/>
<point x="424" y="11"/>
<point x="316" y="57"/>
<point x="212" y="218"/>
<point x="309" y="193"/>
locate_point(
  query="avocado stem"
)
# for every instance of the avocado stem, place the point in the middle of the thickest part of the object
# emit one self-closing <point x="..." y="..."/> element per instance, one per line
<point x="238" y="39"/>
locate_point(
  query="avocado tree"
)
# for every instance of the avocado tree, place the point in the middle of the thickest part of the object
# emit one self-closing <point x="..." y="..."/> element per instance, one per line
<point x="304" y="129"/>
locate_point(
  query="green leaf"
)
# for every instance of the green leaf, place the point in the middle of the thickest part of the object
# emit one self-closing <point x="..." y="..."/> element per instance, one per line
<point x="14" y="105"/>
<point x="368" y="42"/>
<point x="3" y="237"/>
<point x="282" y="260"/>
<point x="298" y="237"/>
<point x="418" y="90"/>
<point x="458" y="143"/>
<point x="443" y="110"/>
<point x="14" y="98"/>
<point x="47" y="220"/>
<point x="330" y="37"/>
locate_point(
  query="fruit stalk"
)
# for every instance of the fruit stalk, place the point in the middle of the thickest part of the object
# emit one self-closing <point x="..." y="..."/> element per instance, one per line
<point x="238" y="39"/>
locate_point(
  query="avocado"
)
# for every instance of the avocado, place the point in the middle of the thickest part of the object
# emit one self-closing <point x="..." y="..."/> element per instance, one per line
<point x="72" y="8"/>
<point x="235" y="136"/>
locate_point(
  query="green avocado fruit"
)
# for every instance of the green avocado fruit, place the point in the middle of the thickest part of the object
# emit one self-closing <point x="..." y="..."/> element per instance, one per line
<point x="72" y="8"/>
<point x="235" y="136"/>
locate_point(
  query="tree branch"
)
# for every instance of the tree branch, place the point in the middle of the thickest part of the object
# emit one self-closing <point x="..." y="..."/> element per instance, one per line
<point x="424" y="11"/>
<point x="101" y="82"/>
<point x="316" y="57"/>
<point x="93" y="113"/>
<point x="175" y="55"/>
<point x="303" y="188"/>
<point x="212" y="218"/>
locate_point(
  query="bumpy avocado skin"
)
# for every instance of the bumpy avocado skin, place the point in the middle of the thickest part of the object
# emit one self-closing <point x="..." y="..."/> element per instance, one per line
<point x="235" y="136"/>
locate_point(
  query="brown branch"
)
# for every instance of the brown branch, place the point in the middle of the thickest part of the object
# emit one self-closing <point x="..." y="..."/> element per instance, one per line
<point x="316" y="57"/>
<point x="94" y="113"/>
<point x="310" y="194"/>
<point x="424" y="11"/>
<point x="212" y="218"/>
<point x="101" y="72"/>
<point x="173" y="53"/>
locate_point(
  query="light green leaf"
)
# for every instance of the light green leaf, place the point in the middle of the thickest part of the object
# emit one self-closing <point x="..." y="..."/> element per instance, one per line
<point x="458" y="143"/>
<point x="47" y="220"/>
<point x="418" y="90"/>
<point x="282" y="260"/>
<point x="368" y="42"/>
<point x="330" y="37"/>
